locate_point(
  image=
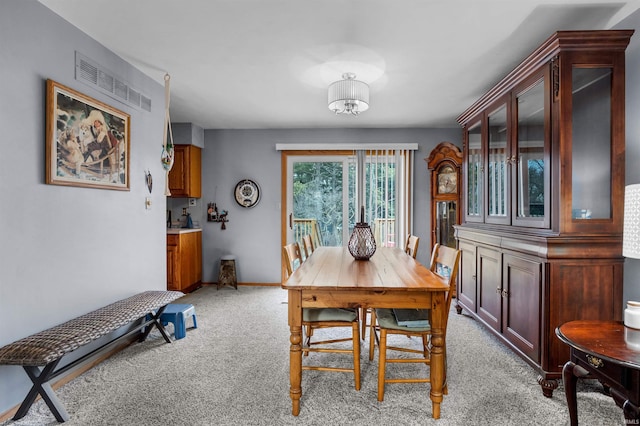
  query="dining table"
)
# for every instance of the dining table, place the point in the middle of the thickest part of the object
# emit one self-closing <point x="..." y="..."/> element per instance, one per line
<point x="332" y="278"/>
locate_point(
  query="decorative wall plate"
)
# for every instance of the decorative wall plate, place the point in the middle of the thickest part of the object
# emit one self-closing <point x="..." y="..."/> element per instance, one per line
<point x="247" y="193"/>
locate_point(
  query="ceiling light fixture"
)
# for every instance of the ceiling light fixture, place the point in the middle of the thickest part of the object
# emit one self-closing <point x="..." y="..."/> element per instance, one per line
<point x="348" y="96"/>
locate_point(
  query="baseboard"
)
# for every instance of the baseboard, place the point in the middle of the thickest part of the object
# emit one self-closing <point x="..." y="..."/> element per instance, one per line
<point x="251" y="284"/>
<point x="77" y="372"/>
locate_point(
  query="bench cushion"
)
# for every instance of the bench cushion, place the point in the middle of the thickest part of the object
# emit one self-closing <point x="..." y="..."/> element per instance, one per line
<point x="46" y="346"/>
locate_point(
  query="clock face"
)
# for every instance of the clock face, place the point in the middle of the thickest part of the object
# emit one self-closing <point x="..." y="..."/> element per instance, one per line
<point x="447" y="181"/>
<point x="247" y="193"/>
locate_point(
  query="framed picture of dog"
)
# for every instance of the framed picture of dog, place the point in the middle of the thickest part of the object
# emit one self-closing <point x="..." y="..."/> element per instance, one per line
<point x="87" y="141"/>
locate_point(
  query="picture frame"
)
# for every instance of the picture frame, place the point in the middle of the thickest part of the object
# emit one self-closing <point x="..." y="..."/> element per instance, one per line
<point x="87" y="141"/>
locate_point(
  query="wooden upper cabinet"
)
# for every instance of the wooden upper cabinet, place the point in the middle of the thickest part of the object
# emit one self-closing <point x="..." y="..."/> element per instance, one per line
<point x="185" y="178"/>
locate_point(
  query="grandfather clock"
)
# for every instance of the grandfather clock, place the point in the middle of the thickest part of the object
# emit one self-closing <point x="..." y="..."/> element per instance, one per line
<point x="444" y="162"/>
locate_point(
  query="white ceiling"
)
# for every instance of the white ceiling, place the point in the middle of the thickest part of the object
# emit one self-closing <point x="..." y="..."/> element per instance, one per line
<point x="264" y="64"/>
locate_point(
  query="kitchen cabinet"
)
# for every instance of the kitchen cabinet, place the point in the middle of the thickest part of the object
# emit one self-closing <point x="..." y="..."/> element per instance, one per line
<point x="543" y="190"/>
<point x="185" y="177"/>
<point x="184" y="260"/>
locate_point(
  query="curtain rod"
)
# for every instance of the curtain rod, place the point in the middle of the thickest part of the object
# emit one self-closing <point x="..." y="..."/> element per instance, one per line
<point x="343" y="146"/>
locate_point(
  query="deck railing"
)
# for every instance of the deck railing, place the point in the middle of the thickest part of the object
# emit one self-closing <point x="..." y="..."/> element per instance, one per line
<point x="384" y="232"/>
<point x="302" y="227"/>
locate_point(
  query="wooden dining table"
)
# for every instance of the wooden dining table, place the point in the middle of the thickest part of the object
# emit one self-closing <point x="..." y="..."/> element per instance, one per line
<point x="331" y="277"/>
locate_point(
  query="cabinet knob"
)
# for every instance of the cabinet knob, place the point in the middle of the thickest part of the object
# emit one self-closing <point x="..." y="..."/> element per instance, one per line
<point x="505" y="293"/>
<point x="498" y="290"/>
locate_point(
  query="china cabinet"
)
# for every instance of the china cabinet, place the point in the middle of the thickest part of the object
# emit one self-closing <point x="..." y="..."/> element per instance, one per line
<point x="543" y="187"/>
<point x="185" y="176"/>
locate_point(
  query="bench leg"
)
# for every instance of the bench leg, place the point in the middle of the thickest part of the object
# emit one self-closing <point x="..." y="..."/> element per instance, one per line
<point x="42" y="387"/>
<point x="155" y="320"/>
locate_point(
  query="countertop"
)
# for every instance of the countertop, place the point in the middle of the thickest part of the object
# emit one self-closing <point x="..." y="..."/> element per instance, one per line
<point x="174" y="231"/>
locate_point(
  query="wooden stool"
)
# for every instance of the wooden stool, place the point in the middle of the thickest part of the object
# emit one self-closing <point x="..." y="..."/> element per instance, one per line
<point x="227" y="274"/>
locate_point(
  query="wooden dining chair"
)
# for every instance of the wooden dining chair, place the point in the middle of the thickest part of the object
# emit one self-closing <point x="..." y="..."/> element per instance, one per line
<point x="411" y="247"/>
<point x="444" y="262"/>
<point x="308" y="245"/>
<point x="315" y="318"/>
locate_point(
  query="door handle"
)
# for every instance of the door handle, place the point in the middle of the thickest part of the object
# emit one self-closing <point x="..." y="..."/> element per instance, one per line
<point x="290" y="220"/>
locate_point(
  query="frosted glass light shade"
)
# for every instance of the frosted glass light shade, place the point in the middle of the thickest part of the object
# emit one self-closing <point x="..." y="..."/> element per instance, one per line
<point x="348" y="96"/>
<point x="631" y="232"/>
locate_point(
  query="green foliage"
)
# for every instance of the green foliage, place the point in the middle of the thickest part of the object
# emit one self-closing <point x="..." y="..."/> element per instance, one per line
<point x="318" y="194"/>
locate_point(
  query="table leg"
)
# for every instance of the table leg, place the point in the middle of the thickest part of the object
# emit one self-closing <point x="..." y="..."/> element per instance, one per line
<point x="570" y="374"/>
<point x="295" y="351"/>
<point x="437" y="352"/>
<point x="630" y="410"/>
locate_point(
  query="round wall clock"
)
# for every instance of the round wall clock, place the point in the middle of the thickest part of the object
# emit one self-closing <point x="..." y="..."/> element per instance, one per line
<point x="247" y="193"/>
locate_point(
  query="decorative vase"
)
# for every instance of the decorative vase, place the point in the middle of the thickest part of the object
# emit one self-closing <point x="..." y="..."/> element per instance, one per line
<point x="362" y="244"/>
<point x="632" y="315"/>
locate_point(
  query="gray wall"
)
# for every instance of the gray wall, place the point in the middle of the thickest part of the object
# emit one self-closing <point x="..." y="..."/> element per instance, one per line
<point x="632" y="266"/>
<point x="65" y="251"/>
<point x="253" y="235"/>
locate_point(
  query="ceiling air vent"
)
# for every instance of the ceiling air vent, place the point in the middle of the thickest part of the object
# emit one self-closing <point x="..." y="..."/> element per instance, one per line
<point x="100" y="78"/>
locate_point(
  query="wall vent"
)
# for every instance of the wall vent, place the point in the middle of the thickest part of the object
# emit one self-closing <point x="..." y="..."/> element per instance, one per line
<point x="145" y="103"/>
<point x="89" y="72"/>
<point x="134" y="97"/>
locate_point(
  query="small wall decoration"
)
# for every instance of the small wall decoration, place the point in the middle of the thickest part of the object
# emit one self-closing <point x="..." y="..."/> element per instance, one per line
<point x="148" y="180"/>
<point x="87" y="141"/>
<point x="213" y="215"/>
<point x="247" y="193"/>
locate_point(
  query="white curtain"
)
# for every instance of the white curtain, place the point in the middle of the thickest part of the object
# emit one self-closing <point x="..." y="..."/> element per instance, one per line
<point x="384" y="186"/>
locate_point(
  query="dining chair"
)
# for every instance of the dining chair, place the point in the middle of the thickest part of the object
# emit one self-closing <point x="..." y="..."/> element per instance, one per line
<point x="315" y="318"/>
<point x="411" y="248"/>
<point x="444" y="262"/>
<point x="308" y="245"/>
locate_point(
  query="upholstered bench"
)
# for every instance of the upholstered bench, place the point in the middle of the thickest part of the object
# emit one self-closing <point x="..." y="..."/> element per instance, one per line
<point x="47" y="348"/>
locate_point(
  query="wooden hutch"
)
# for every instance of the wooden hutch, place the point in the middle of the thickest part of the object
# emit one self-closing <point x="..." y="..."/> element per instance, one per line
<point x="543" y="190"/>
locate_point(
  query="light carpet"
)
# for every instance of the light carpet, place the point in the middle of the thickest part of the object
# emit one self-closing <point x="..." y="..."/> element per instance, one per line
<point x="234" y="370"/>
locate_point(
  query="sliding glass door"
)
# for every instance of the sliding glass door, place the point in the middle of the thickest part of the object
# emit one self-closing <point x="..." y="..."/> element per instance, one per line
<point x="319" y="202"/>
<point x="325" y="194"/>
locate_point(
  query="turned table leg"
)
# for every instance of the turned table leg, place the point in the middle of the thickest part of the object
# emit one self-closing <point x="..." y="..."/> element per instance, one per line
<point x="570" y="374"/>
<point x="295" y="350"/>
